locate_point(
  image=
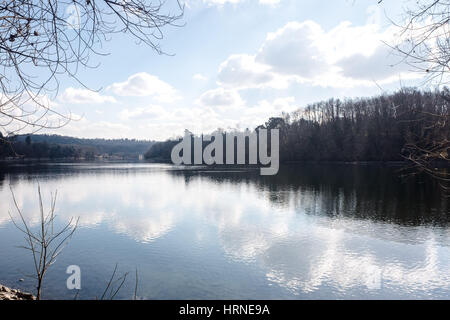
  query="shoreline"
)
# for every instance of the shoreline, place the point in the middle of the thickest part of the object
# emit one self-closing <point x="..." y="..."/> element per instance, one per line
<point x="387" y="163"/>
<point x="14" y="294"/>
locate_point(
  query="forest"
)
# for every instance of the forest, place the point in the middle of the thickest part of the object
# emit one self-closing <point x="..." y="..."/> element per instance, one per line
<point x="389" y="127"/>
<point x="40" y="146"/>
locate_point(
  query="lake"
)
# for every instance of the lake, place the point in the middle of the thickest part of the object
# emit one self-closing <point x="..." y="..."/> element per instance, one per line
<point x="310" y="232"/>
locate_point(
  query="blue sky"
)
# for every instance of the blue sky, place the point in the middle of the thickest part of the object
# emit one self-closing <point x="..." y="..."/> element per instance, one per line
<point x="234" y="64"/>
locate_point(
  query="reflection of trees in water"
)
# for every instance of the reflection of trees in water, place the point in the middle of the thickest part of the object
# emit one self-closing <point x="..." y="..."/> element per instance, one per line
<point x="318" y="256"/>
<point x="261" y="219"/>
<point x="353" y="191"/>
<point x="2" y="178"/>
<point x="365" y="192"/>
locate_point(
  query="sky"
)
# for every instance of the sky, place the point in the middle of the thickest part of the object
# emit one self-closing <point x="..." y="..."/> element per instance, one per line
<point x="234" y="64"/>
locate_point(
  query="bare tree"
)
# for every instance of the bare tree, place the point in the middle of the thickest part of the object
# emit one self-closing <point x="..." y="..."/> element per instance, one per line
<point x="424" y="40"/>
<point x="46" y="243"/>
<point x="424" y="43"/>
<point x="115" y="284"/>
<point x="43" y="40"/>
<point x="425" y="148"/>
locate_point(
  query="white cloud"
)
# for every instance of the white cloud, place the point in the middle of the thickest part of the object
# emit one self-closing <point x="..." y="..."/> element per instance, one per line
<point x="222" y="2"/>
<point x="88" y="128"/>
<point x="221" y="97"/>
<point x="84" y="96"/>
<point x="345" y="56"/>
<point x="269" y="2"/>
<point x="258" y="114"/>
<point x="150" y="112"/>
<point x="144" y="85"/>
<point x="241" y="71"/>
<point x="362" y="67"/>
<point x="294" y="50"/>
<point x="199" y="76"/>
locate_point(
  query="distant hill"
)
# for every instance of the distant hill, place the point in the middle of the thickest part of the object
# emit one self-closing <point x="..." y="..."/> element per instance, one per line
<point x="56" y="146"/>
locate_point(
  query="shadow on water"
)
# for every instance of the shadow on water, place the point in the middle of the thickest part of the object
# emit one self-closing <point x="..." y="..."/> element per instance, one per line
<point x="311" y="231"/>
<point x="339" y="190"/>
<point x="374" y="192"/>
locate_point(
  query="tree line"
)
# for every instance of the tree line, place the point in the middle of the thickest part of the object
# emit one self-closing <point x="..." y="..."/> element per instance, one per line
<point x="39" y="146"/>
<point x="388" y="127"/>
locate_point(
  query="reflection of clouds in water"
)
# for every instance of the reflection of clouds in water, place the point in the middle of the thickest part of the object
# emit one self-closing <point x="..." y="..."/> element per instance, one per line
<point x="303" y="253"/>
<point x="27" y="200"/>
<point x="4" y="208"/>
<point x="92" y="219"/>
<point x="298" y="248"/>
<point x="315" y="256"/>
<point x="145" y="228"/>
<point x="138" y="206"/>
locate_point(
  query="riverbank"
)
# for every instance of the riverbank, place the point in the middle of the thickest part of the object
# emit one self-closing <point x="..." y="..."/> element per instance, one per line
<point x="14" y="294"/>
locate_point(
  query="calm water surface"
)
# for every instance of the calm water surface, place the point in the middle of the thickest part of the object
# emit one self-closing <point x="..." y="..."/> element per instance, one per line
<point x="312" y="231"/>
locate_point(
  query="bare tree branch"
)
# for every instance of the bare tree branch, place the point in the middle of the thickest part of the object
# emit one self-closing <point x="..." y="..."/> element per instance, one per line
<point x="44" y="40"/>
<point x="45" y="244"/>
